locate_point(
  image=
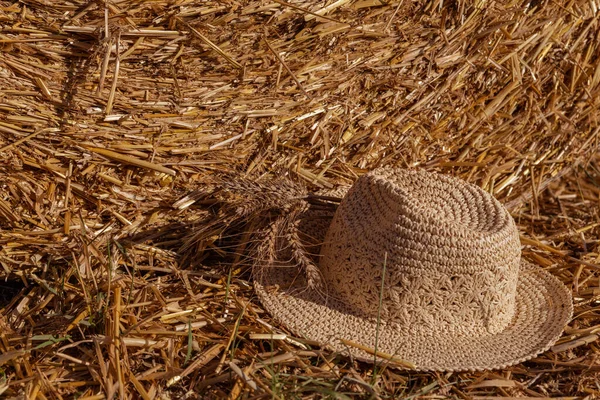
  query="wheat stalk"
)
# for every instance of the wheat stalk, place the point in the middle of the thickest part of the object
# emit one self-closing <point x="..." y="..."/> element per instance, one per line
<point x="266" y="214"/>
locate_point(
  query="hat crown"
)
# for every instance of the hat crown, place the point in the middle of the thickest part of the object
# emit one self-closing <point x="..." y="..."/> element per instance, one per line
<point x="451" y="253"/>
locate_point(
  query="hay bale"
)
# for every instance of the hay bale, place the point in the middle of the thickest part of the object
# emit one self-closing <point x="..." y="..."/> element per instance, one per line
<point x="109" y="111"/>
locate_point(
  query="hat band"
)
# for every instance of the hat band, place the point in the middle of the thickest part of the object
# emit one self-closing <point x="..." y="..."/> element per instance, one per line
<point x="458" y="304"/>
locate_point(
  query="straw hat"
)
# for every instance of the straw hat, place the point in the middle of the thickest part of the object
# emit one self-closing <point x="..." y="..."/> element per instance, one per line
<point x="455" y="295"/>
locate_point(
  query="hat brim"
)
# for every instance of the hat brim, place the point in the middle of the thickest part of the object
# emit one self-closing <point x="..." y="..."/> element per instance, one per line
<point x="543" y="307"/>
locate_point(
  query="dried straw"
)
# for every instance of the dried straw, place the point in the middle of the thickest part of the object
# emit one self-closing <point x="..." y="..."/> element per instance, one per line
<point x="111" y="112"/>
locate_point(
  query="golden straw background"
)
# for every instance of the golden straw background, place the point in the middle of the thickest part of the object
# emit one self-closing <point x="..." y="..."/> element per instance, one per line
<point x="115" y="114"/>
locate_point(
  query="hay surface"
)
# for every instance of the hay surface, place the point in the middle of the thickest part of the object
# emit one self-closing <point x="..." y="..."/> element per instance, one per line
<point x="112" y="111"/>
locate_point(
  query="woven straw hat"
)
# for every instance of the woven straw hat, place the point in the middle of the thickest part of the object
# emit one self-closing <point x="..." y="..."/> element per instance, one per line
<point x="455" y="294"/>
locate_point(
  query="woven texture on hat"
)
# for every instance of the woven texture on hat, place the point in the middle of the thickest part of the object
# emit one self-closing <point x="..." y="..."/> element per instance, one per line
<point x="498" y="310"/>
<point x="542" y="308"/>
<point x="452" y="253"/>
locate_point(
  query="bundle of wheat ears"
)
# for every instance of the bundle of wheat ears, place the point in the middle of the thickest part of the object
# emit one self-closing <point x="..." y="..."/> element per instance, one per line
<point x="256" y="215"/>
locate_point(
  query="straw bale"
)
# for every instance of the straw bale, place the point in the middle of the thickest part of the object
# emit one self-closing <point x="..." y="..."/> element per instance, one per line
<point x="112" y="111"/>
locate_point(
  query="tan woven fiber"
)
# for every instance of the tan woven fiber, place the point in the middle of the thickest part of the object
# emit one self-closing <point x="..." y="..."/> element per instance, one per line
<point x="456" y="294"/>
